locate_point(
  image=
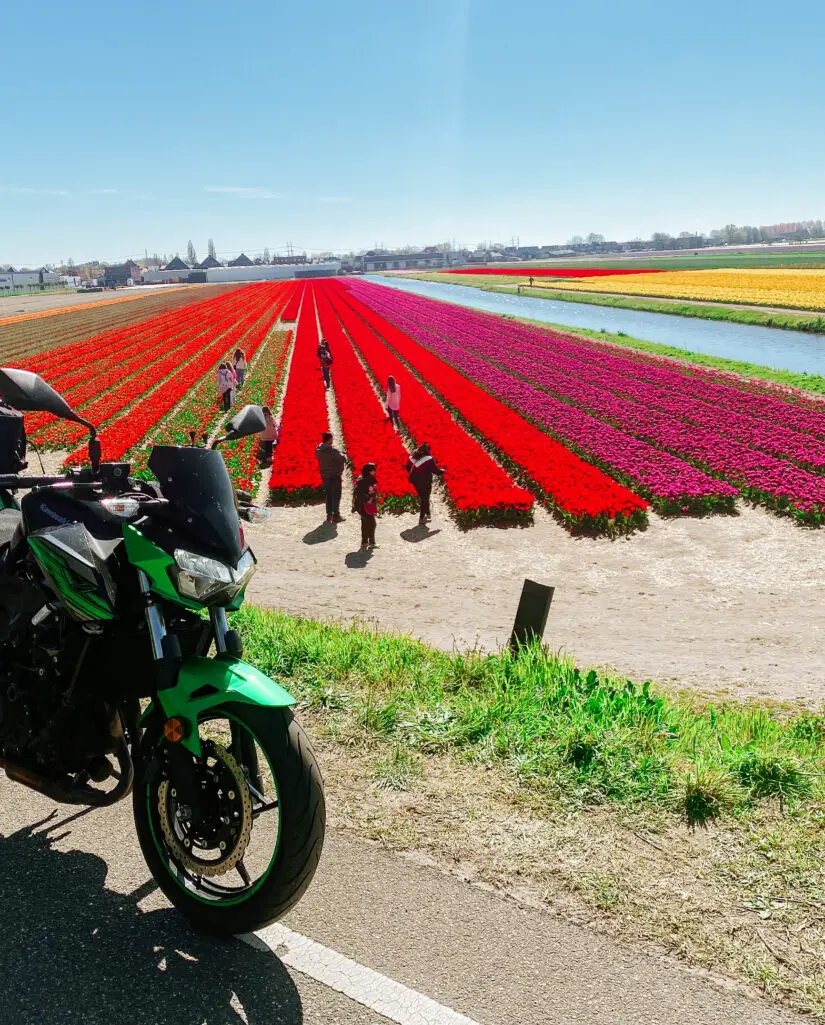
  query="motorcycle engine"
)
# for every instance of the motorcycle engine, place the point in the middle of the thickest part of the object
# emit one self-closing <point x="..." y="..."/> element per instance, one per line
<point x="46" y="718"/>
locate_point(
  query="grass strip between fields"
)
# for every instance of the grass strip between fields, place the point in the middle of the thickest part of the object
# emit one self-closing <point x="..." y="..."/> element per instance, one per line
<point x="579" y="787"/>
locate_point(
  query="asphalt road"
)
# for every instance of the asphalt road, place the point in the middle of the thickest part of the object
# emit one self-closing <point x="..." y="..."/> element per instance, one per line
<point x="86" y="937"/>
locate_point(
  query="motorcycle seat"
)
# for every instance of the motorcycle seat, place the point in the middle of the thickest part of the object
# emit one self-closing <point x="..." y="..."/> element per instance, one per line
<point x="10" y="520"/>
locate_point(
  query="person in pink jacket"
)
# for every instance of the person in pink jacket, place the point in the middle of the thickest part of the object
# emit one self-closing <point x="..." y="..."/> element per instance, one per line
<point x="226" y="385"/>
<point x="394" y="401"/>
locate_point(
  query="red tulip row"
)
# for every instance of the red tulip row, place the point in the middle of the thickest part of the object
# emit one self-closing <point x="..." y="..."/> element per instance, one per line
<point x="294" y="303"/>
<point x="368" y="434"/>
<point x="295" y="476"/>
<point x="198" y="411"/>
<point x="116" y="359"/>
<point x="579" y="493"/>
<point x="186" y="366"/>
<point x="260" y="389"/>
<point x="478" y="488"/>
<point x="584" y="496"/>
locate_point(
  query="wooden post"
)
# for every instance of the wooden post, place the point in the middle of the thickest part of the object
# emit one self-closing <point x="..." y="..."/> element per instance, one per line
<point x="531" y="617"/>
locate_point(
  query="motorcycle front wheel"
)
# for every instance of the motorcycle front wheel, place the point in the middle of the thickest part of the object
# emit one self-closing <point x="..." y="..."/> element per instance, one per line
<point x="250" y="853"/>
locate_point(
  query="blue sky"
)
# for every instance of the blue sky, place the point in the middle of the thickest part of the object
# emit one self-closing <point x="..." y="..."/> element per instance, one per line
<point x="339" y="125"/>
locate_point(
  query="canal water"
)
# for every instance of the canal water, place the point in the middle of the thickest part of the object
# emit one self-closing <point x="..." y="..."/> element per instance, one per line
<point x="769" y="346"/>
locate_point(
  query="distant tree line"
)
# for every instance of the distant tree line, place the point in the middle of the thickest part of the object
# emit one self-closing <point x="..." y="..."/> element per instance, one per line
<point x="730" y="235"/>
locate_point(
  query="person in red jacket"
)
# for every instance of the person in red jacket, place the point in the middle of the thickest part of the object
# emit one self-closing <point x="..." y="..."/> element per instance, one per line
<point x="421" y="468"/>
<point x="365" y="503"/>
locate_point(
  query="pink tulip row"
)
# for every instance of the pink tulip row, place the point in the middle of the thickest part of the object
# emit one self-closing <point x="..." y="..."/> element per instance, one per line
<point x="665" y="389"/>
<point x="673" y="485"/>
<point x="624" y="413"/>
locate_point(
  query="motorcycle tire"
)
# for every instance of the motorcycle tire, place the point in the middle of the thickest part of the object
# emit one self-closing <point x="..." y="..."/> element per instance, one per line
<point x="302" y="814"/>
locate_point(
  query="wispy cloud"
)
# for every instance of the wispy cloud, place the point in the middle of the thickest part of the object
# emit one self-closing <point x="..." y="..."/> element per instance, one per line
<point x="104" y="192"/>
<point x="25" y="190"/>
<point x="244" y="192"/>
<point x="335" y="199"/>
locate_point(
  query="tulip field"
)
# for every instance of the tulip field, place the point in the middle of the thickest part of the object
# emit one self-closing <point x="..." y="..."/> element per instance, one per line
<point x="795" y="289"/>
<point x="518" y="414"/>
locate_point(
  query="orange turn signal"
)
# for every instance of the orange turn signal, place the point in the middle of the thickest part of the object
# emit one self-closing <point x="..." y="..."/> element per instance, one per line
<point x="173" y="730"/>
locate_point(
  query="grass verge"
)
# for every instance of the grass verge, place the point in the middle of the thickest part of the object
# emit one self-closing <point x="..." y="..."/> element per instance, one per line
<point x="575" y="789"/>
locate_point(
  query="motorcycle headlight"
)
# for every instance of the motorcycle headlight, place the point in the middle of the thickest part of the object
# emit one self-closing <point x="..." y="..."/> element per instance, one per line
<point x="208" y="580"/>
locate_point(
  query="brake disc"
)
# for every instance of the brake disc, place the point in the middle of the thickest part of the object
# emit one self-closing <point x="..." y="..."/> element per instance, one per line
<point x="185" y="843"/>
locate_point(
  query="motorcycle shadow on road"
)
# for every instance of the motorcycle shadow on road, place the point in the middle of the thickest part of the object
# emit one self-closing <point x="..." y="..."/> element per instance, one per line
<point x="73" y="951"/>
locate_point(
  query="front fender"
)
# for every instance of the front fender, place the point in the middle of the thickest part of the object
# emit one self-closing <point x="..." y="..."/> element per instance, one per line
<point x="205" y="683"/>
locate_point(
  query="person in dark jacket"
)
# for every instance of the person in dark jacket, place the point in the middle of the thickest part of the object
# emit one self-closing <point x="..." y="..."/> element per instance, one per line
<point x="325" y="359"/>
<point x="365" y="503"/>
<point x="331" y="463"/>
<point x="421" y="468"/>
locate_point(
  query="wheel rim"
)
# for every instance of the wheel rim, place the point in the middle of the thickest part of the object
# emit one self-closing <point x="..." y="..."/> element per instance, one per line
<point x="204" y="870"/>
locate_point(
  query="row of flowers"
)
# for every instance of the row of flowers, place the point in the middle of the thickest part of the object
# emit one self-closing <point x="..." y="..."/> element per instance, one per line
<point x="580" y="493"/>
<point x="671" y="484"/>
<point x="117" y="359"/>
<point x="261" y="389"/>
<point x="668" y="396"/>
<point x="293" y="305"/>
<point x="729" y="445"/>
<point x="714" y="437"/>
<point x="199" y="412"/>
<point x="40" y="337"/>
<point x="478" y="489"/>
<point x="787" y="287"/>
<point x="662" y="388"/>
<point x="368" y="435"/>
<point x="583" y="496"/>
<point x="142" y="405"/>
<point x="295" y="477"/>
<point x="552" y="272"/>
<point x="763" y="415"/>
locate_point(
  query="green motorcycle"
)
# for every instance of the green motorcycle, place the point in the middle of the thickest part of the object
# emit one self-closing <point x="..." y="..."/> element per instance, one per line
<point x="113" y="593"/>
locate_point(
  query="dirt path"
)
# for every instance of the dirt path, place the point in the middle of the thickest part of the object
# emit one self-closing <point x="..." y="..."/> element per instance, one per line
<point x="723" y="604"/>
<point x="56" y="302"/>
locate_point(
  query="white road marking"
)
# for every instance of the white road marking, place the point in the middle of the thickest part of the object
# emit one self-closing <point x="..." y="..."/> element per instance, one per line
<point x="371" y="989"/>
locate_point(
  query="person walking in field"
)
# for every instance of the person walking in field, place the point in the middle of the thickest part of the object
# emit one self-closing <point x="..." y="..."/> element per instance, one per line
<point x="331" y="463"/>
<point x="421" y="468"/>
<point x="325" y="359"/>
<point x="394" y="401"/>
<point x="365" y="503"/>
<point x="268" y="439"/>
<point x="239" y="366"/>
<point x="226" y="384"/>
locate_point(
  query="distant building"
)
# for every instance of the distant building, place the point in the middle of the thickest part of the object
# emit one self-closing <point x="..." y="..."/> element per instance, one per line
<point x="14" y="280"/>
<point x="374" y="261"/>
<point x="176" y="264"/>
<point x="122" y="273"/>
<point x="241" y="261"/>
<point x="287" y="261"/>
<point x="208" y="263"/>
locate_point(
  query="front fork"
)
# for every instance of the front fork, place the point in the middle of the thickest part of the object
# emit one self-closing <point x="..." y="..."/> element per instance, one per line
<point x="164" y="651"/>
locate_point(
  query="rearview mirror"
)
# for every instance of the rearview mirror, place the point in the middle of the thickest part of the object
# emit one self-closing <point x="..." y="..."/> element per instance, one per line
<point x="250" y="420"/>
<point x="26" y="391"/>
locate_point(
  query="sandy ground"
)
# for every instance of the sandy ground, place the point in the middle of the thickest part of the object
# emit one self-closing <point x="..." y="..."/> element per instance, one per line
<point x="726" y="604"/>
<point x="12" y="305"/>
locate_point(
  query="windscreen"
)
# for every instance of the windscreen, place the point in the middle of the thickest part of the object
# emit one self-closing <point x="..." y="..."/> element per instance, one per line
<point x="196" y="481"/>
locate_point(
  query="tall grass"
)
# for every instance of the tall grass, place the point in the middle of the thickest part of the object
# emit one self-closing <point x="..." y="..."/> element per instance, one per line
<point x="574" y="737"/>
